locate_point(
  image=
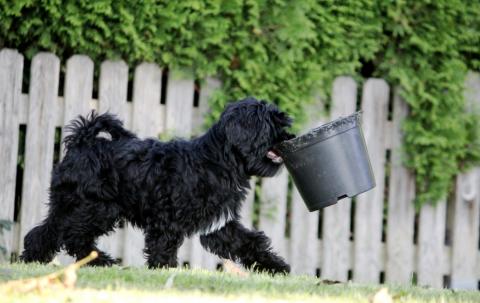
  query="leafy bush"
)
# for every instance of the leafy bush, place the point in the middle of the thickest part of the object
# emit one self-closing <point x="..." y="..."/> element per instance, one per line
<point x="287" y="52"/>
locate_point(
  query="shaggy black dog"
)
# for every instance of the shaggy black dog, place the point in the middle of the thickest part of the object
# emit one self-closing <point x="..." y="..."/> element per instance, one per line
<point x="171" y="190"/>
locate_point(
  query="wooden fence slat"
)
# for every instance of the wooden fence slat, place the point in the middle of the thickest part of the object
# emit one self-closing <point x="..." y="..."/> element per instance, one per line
<point x="466" y="231"/>
<point x="246" y="213"/>
<point x="78" y="89"/>
<point x="303" y="237"/>
<point x="77" y="98"/>
<point x="336" y="218"/>
<point x="199" y="256"/>
<point x="401" y="210"/>
<point x="431" y="236"/>
<point x="466" y="210"/>
<point x="201" y="112"/>
<point x="147" y="119"/>
<point x="11" y="68"/>
<point x="113" y="88"/>
<point x="146" y="122"/>
<point x="178" y="122"/>
<point x="179" y="111"/>
<point x="369" y="206"/>
<point x="273" y="208"/>
<point x="113" y="98"/>
<point x="39" y="145"/>
<point x="303" y="245"/>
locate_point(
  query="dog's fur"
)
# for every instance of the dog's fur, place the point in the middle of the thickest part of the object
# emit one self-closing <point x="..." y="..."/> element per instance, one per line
<point x="171" y="190"/>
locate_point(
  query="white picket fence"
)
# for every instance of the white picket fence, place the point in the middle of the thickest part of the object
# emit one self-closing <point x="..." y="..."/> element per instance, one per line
<point x="347" y="241"/>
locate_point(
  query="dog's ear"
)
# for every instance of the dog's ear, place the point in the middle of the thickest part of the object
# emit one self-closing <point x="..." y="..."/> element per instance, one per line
<point x="239" y="133"/>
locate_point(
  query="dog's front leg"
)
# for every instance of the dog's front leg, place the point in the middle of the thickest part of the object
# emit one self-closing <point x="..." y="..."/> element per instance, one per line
<point x="251" y="248"/>
<point x="161" y="248"/>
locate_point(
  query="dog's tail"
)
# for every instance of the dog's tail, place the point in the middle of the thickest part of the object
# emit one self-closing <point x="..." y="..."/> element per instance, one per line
<point x="84" y="130"/>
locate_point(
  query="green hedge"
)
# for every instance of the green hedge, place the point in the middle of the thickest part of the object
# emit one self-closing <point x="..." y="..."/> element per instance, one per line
<point x="287" y="52"/>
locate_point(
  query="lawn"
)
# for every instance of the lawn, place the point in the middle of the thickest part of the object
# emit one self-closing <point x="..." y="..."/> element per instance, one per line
<point x="119" y="284"/>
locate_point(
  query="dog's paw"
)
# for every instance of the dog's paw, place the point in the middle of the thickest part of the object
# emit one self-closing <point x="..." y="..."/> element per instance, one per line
<point x="272" y="268"/>
<point x="280" y="269"/>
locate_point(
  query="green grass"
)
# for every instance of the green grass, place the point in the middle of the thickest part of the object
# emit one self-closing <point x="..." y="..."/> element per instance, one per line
<point x="137" y="285"/>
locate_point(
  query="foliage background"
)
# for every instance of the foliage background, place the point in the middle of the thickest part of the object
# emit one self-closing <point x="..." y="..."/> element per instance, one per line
<point x="288" y="52"/>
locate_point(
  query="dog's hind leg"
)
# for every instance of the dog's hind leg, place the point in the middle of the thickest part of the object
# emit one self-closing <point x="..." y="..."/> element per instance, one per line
<point x="161" y="247"/>
<point x="251" y="248"/>
<point x="41" y="243"/>
<point x="82" y="228"/>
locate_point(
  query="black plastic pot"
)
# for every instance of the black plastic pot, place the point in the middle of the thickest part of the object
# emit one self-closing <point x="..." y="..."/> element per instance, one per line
<point x="329" y="163"/>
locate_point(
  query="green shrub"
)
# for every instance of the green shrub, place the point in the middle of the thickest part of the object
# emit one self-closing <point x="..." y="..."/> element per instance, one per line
<point x="287" y="52"/>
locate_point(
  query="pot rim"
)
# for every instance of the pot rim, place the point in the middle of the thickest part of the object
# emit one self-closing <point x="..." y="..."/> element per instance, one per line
<point x="319" y="134"/>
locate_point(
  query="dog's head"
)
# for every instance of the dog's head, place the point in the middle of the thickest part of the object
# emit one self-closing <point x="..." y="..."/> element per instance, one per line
<point x="252" y="128"/>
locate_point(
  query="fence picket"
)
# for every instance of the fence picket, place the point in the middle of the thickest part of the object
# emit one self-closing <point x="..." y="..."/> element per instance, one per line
<point x="273" y="208"/>
<point x="201" y="112"/>
<point x="179" y="113"/>
<point x="178" y="122"/>
<point x="11" y="68"/>
<point x="369" y="206"/>
<point x="77" y="97"/>
<point x="113" y="88"/>
<point x="246" y="214"/>
<point x="336" y="218"/>
<point x="200" y="258"/>
<point x="431" y="236"/>
<point x="303" y="244"/>
<point x="303" y="237"/>
<point x="113" y="98"/>
<point x="465" y="231"/>
<point x="466" y="213"/>
<point x="146" y="122"/>
<point x="78" y="89"/>
<point x="401" y="211"/>
<point x="39" y="145"/>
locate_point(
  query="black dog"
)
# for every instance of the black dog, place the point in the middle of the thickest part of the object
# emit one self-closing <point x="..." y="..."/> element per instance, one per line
<point x="171" y="190"/>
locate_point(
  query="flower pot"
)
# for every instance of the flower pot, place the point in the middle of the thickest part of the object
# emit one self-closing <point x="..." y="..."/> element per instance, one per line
<point x="329" y="163"/>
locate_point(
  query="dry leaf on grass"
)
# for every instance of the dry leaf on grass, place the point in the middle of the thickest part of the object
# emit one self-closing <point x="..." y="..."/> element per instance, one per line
<point x="64" y="278"/>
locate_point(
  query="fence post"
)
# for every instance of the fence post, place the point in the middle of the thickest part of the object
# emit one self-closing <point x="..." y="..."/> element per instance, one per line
<point x="11" y="68"/>
<point x="369" y="206"/>
<point x="39" y="143"/>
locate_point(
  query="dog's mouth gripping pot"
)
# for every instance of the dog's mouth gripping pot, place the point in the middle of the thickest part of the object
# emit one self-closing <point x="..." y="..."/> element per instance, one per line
<point x="328" y="163"/>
